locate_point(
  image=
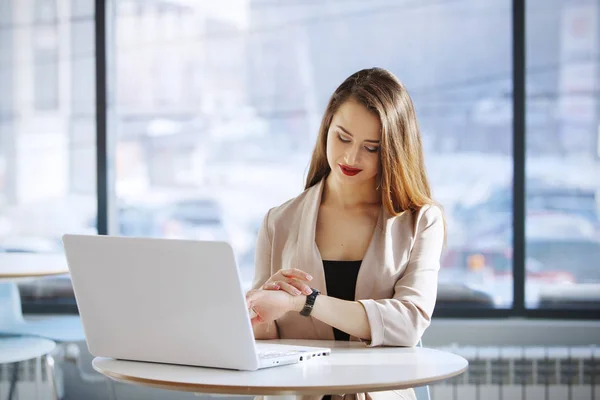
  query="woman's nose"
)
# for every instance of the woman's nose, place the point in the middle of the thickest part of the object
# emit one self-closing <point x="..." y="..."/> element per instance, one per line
<point x="352" y="156"/>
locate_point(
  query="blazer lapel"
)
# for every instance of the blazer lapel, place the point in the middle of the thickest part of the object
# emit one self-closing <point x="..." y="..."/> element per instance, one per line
<point x="373" y="259"/>
<point x="309" y="258"/>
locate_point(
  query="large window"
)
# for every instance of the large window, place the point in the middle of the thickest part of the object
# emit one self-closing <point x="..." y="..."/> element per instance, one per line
<point x="214" y="107"/>
<point x="47" y="131"/>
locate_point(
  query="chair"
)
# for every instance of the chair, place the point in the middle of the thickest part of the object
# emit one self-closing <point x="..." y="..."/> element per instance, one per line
<point x="18" y="349"/>
<point x="64" y="330"/>
<point x="422" y="392"/>
<point x="61" y="330"/>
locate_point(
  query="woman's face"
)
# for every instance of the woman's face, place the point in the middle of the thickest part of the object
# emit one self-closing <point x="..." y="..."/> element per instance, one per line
<point x="353" y="142"/>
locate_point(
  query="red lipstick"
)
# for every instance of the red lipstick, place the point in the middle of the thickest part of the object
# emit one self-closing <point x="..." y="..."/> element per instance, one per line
<point x="349" y="170"/>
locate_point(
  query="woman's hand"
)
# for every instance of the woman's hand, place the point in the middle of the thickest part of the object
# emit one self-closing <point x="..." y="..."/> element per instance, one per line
<point x="292" y="281"/>
<point x="268" y="305"/>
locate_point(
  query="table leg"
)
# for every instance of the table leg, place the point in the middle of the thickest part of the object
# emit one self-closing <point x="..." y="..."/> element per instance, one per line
<point x="38" y="378"/>
<point x="13" y="381"/>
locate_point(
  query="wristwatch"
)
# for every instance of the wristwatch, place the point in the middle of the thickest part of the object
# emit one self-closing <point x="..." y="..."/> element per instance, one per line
<point x="310" y="302"/>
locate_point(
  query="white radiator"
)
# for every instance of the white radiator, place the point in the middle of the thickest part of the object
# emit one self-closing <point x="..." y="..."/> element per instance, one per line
<point x="524" y="373"/>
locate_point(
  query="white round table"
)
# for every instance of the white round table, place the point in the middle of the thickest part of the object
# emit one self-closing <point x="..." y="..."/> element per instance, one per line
<point x="17" y="266"/>
<point x="351" y="368"/>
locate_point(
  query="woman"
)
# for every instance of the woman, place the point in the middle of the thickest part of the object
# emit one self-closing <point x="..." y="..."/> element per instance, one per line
<point x="356" y="255"/>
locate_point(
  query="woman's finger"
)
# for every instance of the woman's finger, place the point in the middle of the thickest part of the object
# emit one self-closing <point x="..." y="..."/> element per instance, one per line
<point x="288" y="288"/>
<point x="271" y="286"/>
<point x="256" y="320"/>
<point x="296" y="273"/>
<point x="300" y="285"/>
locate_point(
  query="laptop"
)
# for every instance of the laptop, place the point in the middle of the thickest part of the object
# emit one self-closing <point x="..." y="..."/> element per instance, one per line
<point x="168" y="301"/>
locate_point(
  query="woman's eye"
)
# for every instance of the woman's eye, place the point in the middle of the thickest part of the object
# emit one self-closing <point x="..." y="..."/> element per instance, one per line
<point x="372" y="149"/>
<point x="344" y="140"/>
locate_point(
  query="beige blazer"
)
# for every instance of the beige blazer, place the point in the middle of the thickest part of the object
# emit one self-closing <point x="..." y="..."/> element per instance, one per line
<point x="397" y="280"/>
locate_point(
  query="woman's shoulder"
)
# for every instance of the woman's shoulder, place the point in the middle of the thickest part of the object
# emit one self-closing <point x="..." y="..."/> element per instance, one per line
<point x="430" y="212"/>
<point x="426" y="216"/>
<point x="288" y="210"/>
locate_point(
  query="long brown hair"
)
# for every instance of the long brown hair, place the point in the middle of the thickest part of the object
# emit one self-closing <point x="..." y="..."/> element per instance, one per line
<point x="404" y="184"/>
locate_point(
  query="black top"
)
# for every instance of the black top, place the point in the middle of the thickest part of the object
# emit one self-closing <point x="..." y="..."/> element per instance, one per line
<point x="340" y="278"/>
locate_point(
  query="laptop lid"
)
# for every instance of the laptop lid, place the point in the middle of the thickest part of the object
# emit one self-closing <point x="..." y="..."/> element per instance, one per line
<point x="161" y="300"/>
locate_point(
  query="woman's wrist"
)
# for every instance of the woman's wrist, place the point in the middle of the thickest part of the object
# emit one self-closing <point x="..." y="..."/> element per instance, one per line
<point x="298" y="303"/>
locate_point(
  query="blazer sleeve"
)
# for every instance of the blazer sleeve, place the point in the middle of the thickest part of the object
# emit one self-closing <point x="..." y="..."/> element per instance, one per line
<point x="402" y="320"/>
<point x="262" y="259"/>
<point x="262" y="255"/>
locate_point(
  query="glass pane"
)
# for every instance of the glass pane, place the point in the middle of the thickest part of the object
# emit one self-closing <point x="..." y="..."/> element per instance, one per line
<point x="563" y="154"/>
<point x="219" y="103"/>
<point x="47" y="133"/>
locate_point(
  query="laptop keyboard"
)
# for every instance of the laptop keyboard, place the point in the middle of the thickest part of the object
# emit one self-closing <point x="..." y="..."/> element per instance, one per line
<point x="275" y="354"/>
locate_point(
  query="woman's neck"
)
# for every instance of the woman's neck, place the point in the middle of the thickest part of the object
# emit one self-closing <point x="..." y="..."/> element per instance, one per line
<point x="344" y="196"/>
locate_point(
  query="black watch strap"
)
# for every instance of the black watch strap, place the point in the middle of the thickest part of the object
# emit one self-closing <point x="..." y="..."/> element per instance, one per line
<point x="310" y="302"/>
